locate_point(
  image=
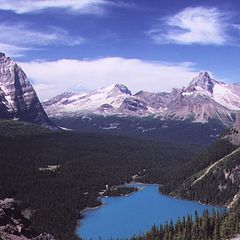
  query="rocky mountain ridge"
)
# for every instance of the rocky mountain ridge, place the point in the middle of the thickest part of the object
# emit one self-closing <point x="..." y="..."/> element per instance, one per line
<point x="18" y="100"/>
<point x="202" y="100"/>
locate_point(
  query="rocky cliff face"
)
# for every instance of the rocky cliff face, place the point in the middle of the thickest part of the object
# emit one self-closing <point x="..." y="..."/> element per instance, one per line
<point x="18" y="100"/>
<point x="14" y="226"/>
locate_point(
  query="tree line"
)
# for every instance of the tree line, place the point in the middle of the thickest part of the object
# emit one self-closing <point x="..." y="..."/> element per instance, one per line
<point x="209" y="226"/>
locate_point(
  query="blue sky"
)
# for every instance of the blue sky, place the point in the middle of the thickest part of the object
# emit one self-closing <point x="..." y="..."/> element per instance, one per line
<point x="146" y="44"/>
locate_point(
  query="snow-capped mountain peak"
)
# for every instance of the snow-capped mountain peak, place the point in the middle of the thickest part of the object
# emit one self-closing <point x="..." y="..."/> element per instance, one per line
<point x="204" y="81"/>
<point x="227" y="95"/>
<point x="95" y="101"/>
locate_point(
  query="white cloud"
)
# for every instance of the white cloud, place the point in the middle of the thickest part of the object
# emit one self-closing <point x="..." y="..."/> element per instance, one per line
<point x="194" y="25"/>
<point x="76" y="6"/>
<point x="52" y="78"/>
<point x="16" y="39"/>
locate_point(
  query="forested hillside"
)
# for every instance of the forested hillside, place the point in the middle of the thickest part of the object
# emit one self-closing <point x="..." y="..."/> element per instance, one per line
<point x="221" y="178"/>
<point x="209" y="226"/>
<point x="177" y="176"/>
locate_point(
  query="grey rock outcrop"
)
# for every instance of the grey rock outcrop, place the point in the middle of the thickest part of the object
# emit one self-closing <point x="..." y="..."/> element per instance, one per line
<point x="158" y="101"/>
<point x="233" y="134"/>
<point x="14" y="226"/>
<point x="134" y="106"/>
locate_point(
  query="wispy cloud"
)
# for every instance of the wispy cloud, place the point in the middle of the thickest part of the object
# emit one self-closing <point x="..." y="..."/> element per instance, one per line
<point x="12" y="50"/>
<point x="28" y="36"/>
<point x="194" y="25"/>
<point x="76" y="6"/>
<point x="16" y="39"/>
<point x="52" y="78"/>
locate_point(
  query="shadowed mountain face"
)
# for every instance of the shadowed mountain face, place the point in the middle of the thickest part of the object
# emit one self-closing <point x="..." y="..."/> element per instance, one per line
<point x="204" y="99"/>
<point x="18" y="100"/>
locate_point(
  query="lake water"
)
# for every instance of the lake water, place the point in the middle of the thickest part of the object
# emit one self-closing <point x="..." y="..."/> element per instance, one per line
<point x="122" y="217"/>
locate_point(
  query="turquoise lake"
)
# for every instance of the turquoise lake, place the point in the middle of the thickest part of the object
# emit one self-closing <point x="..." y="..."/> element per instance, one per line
<point x="125" y="216"/>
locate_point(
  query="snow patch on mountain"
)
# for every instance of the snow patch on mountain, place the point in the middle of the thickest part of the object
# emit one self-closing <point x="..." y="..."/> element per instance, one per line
<point x="223" y="94"/>
<point x="111" y="96"/>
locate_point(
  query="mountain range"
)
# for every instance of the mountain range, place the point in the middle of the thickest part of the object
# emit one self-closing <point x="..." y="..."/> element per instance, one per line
<point x="202" y="100"/>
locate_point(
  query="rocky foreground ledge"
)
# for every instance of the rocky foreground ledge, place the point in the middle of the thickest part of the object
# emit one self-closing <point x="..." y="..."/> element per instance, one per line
<point x="14" y="226"/>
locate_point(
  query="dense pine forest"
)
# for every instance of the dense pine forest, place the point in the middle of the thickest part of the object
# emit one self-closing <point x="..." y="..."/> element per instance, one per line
<point x="57" y="174"/>
<point x="208" y="226"/>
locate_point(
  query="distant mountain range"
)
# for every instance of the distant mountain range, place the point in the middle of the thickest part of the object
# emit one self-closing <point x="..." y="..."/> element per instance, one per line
<point x="202" y="100"/>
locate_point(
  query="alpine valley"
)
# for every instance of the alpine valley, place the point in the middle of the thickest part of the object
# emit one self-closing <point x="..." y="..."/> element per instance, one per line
<point x="187" y="141"/>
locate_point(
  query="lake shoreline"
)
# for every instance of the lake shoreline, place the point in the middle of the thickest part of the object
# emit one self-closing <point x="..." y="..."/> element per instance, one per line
<point x="185" y="209"/>
<point x="129" y="194"/>
<point x="101" y="204"/>
<point x="106" y="196"/>
<point x="102" y="192"/>
<point x="135" y="180"/>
